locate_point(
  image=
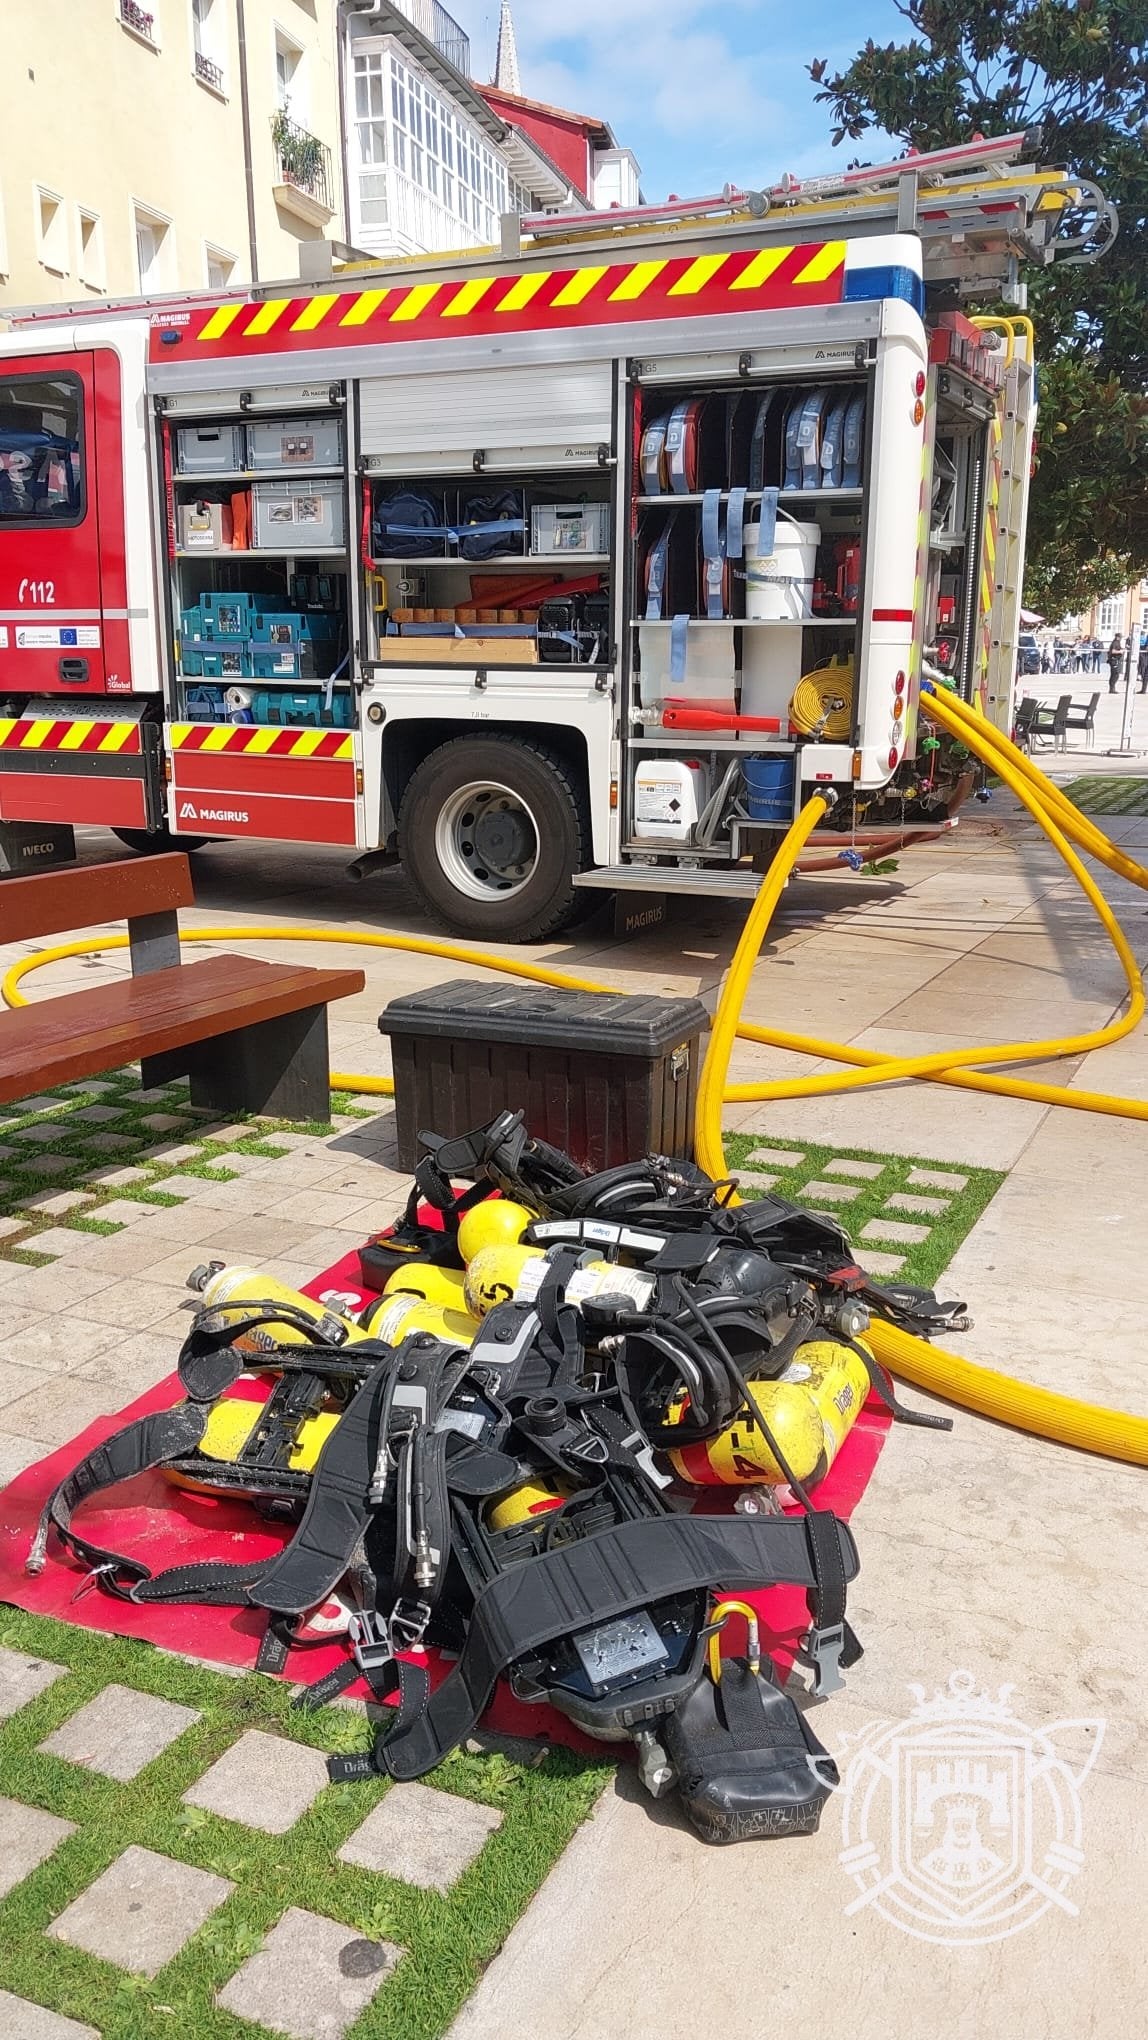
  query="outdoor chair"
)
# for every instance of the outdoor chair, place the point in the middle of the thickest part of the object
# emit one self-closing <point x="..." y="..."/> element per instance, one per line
<point x="1028" y="710"/>
<point x="1083" y="719"/>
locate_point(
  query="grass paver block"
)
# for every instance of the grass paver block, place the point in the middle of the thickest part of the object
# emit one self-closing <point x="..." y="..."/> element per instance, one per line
<point x="263" y="1781"/>
<point x="142" y="1911"/>
<point x="311" y="1978"/>
<point x="421" y="1836"/>
<point x="119" y="1732"/>
<point x="893" y="1233"/>
<point x="21" y="2020"/>
<point x="23" y="1679"/>
<point x="28" y="1836"/>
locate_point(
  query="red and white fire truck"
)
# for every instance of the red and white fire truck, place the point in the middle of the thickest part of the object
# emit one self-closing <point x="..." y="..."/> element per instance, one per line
<point x="563" y="567"/>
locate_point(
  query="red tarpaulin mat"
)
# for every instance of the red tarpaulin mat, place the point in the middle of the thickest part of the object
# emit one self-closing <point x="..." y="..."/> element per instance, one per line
<point x="165" y="1526"/>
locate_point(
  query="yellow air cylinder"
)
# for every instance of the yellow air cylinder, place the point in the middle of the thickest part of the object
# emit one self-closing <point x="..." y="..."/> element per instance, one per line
<point x="394" y="1318"/>
<point x="516" y="1274"/>
<point x="496" y="1222"/>
<point x="521" y="1504"/>
<point x="235" y="1291"/>
<point x="810" y="1410"/>
<point x="229" y="1426"/>
<point x="443" y="1286"/>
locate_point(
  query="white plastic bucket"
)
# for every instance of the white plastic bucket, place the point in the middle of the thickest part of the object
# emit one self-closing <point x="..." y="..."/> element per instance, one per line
<point x="779" y="584"/>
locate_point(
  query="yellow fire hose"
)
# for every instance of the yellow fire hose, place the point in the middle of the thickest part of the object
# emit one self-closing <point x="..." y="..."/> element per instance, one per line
<point x="1050" y="1415"/>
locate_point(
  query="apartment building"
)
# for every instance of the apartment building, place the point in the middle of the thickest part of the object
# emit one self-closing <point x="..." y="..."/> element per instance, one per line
<point x="176" y="145"/>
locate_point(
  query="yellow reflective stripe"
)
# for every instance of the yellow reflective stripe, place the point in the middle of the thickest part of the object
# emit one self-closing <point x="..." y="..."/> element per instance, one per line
<point x="74" y="736"/>
<point x="579" y="286"/>
<point x="7" y="725"/>
<point x="266" y="316"/>
<point x="523" y="289"/>
<point x="346" y="748"/>
<point x="416" y="301"/>
<point x="220" y="320"/>
<point x="218" y="738"/>
<point x="467" y="297"/>
<point x="261" y="740"/>
<point x="309" y="741"/>
<point x="761" y="268"/>
<point x="697" y="275"/>
<point x="117" y="736"/>
<point x="34" y="737"/>
<point x="639" y="279"/>
<point x="826" y="261"/>
<point x="312" y="315"/>
<point x="180" y="731"/>
<point x="365" y="306"/>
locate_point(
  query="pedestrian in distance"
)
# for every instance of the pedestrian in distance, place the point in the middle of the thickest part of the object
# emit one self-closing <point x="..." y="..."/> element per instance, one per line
<point x="1097" y="654"/>
<point x="1142" y="667"/>
<point x="1115" y="662"/>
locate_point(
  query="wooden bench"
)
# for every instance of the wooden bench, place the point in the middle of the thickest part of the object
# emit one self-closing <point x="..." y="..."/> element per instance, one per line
<point x="251" y="1036"/>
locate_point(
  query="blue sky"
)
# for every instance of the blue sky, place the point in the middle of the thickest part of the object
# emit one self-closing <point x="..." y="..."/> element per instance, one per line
<point x="703" y="94"/>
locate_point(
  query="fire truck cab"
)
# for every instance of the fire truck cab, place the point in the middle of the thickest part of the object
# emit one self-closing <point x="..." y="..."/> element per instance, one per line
<point x="569" y="567"/>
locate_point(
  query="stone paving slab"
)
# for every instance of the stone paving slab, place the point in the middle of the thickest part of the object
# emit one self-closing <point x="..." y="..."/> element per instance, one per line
<point x="421" y="1836"/>
<point x="141" y="1911"/>
<point x="311" y="1978"/>
<point x="863" y="1171"/>
<point x="20" y="2020"/>
<point x="16" y="1453"/>
<point x="24" y="1678"/>
<point x="263" y="1781"/>
<point x="896" y="1234"/>
<point x="829" y="1193"/>
<point x="782" y="1158"/>
<point x="28" y="1836"/>
<point x="120" y="1731"/>
<point x="935" y="1179"/>
<point x="928" y="1207"/>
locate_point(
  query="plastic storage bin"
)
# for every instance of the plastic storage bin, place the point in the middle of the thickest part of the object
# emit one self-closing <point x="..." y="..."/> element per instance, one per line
<point x="210" y="449"/>
<point x="572" y="528"/>
<point x="292" y="518"/>
<point x="294" y="443"/>
<point x="602" y="1075"/>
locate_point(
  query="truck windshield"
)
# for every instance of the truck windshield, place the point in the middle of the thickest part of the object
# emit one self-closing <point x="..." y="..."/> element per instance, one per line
<point x="41" y="463"/>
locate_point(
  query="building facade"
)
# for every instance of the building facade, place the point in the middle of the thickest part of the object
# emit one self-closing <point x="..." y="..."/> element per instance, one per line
<point x="181" y="144"/>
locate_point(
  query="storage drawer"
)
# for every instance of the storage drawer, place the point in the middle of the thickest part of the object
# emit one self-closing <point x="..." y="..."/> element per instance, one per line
<point x="294" y="443"/>
<point x="210" y="449"/>
<point x="294" y="519"/>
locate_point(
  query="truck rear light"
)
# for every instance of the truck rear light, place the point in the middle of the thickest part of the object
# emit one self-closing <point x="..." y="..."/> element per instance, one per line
<point x="893" y="756"/>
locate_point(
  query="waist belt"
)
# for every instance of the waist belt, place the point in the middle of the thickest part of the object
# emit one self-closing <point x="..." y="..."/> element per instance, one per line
<point x="594" y="1581"/>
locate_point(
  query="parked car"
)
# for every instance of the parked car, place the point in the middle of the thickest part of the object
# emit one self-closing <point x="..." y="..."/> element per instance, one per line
<point x="1028" y="653"/>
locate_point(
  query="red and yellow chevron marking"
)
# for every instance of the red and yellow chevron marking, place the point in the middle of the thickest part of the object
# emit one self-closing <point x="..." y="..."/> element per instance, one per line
<point x="674" y="286"/>
<point x="260" y="741"/>
<point x="45" y="733"/>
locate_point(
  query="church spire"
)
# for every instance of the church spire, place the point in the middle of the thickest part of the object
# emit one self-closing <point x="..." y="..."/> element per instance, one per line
<point x="506" y="60"/>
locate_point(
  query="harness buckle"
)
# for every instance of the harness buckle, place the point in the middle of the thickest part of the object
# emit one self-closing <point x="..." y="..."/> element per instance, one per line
<point x="370" y="1643"/>
<point x="92" y="1579"/>
<point x="823" y="1651"/>
<point x="408" y="1625"/>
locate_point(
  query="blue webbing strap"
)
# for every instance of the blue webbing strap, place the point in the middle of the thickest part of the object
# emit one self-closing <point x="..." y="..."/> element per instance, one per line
<point x="735" y="525"/>
<point x="713" y="553"/>
<point x="679" y="638"/>
<point x="767" y="523"/>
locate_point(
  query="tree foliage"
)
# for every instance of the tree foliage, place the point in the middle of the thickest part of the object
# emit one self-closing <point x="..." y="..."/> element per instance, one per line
<point x="1078" y="70"/>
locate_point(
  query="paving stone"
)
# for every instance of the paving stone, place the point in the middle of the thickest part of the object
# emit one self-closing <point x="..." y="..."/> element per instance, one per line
<point x="421" y="1836"/>
<point x="240" y="1165"/>
<point x="109" y="1143"/>
<point x="91" y="1087"/>
<point x="757" y="1179"/>
<point x="159" y="1094"/>
<point x="117" y="1179"/>
<point x="123" y="1211"/>
<point x="162" y="1122"/>
<point x="311" y="1978"/>
<point x="58" y="1342"/>
<point x="16" y="1453"/>
<point x="263" y="1781"/>
<point x="55" y="1239"/>
<point x="183" y="1151"/>
<point x="54" y="1203"/>
<point x="96" y="1115"/>
<point x="20" y="2020"/>
<point x="929" y="1207"/>
<point x="935" y="1179"/>
<point x="48" y="1165"/>
<point x="45" y="1130"/>
<point x="60" y="1287"/>
<point x="141" y="1911"/>
<point x="44" y="1104"/>
<point x="8" y="1226"/>
<point x="881" y="1264"/>
<point x="236" y="1131"/>
<point x="782" y="1158"/>
<point x="24" y="1678"/>
<point x="896" y="1235"/>
<point x="828" y="1193"/>
<point x="8" y="1154"/>
<point x="864" y="1171"/>
<point x="27" y="1838"/>
<point x="119" y="1732"/>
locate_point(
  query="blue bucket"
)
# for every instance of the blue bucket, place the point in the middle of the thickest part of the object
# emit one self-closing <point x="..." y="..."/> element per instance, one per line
<point x="769" y="789"/>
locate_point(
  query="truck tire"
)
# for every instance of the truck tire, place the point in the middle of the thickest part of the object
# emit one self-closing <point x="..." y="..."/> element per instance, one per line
<point x="153" y="842"/>
<point x="491" y="831"/>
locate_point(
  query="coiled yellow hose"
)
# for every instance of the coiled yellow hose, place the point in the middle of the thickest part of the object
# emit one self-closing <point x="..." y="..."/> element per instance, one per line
<point x="1058" y="1417"/>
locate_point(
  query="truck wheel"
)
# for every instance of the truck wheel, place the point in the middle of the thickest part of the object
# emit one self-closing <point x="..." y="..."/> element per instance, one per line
<point x="152" y="842"/>
<point x="491" y="830"/>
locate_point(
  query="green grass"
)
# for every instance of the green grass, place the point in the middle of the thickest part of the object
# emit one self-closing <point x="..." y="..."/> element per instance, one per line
<point x="448" y="1940"/>
<point x="68" y="1142"/>
<point x="1116" y="796"/>
<point x="923" y="1262"/>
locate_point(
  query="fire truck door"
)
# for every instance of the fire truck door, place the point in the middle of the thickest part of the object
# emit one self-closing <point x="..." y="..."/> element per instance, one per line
<point x="52" y="622"/>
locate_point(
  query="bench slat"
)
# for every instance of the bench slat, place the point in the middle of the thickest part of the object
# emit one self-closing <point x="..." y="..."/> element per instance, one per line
<point x="51" y="902"/>
<point x="84" y="1033"/>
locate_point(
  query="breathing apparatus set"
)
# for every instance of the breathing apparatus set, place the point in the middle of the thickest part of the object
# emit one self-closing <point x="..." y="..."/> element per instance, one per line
<point x="500" y="1456"/>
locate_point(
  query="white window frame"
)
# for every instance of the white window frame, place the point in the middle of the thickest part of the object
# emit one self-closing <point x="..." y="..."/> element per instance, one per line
<point x="293" y="97"/>
<point x="1110" y="615"/>
<point x="91" y="268"/>
<point x="214" y="252"/>
<point x="48" y="253"/>
<point x="146" y="215"/>
<point x="369" y="68"/>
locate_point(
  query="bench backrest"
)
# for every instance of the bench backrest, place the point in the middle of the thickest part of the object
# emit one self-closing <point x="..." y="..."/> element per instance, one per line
<point x="49" y="902"/>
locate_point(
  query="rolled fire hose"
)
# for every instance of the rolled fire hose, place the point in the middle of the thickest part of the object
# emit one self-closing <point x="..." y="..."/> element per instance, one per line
<point x="1054" y="1416"/>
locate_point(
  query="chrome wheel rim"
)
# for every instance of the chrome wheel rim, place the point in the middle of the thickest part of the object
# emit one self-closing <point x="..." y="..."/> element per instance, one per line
<point x="487" y="841"/>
